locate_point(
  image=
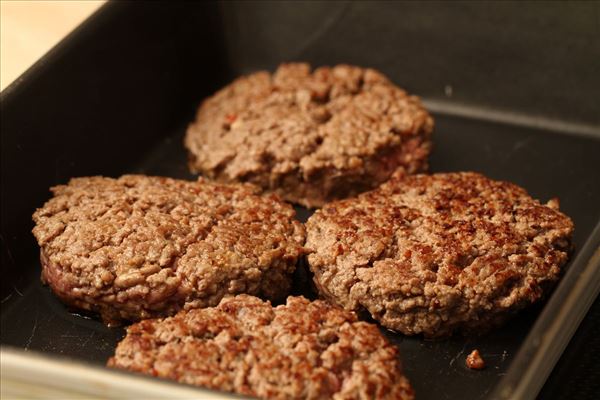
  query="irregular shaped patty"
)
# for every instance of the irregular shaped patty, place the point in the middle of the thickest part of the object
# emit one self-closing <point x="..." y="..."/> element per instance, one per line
<point x="301" y="350"/>
<point x="138" y="246"/>
<point x="309" y="136"/>
<point x="434" y="254"/>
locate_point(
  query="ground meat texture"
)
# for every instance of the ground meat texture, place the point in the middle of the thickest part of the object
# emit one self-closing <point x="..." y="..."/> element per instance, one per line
<point x="431" y="254"/>
<point x="138" y="246"/>
<point x="300" y="350"/>
<point x="474" y="360"/>
<point x="309" y="136"/>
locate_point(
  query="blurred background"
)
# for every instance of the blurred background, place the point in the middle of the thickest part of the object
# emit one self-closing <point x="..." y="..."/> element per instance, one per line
<point x="30" y="28"/>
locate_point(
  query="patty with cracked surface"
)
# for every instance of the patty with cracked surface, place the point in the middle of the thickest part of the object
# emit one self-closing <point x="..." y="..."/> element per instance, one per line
<point x="433" y="254"/>
<point x="138" y="247"/>
<point x="300" y="350"/>
<point x="310" y="137"/>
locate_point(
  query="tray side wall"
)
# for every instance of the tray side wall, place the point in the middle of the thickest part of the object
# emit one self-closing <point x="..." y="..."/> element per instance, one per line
<point x="537" y="58"/>
<point x="98" y="101"/>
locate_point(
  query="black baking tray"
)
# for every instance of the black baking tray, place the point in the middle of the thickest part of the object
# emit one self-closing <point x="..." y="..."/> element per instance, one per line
<point x="511" y="86"/>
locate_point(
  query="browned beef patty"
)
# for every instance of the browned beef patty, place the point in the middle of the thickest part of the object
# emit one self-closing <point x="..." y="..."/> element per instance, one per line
<point x="301" y="350"/>
<point x="138" y="246"/>
<point x="434" y="254"/>
<point x="309" y="136"/>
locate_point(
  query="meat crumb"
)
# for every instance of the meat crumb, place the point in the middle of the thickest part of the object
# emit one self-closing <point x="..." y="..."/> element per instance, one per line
<point x="474" y="360"/>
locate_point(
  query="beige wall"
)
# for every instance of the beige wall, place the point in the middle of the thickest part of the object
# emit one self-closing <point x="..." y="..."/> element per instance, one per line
<point x="28" y="29"/>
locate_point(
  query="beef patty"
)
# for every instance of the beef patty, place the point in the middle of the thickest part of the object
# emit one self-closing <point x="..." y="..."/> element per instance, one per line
<point x="300" y="350"/>
<point x="309" y="136"/>
<point x="138" y="246"/>
<point x="434" y="254"/>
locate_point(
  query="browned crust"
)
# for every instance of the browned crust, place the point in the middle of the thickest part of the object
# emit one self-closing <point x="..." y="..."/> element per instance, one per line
<point x="137" y="246"/>
<point x="300" y="350"/>
<point x="434" y="254"/>
<point x="474" y="360"/>
<point x="310" y="136"/>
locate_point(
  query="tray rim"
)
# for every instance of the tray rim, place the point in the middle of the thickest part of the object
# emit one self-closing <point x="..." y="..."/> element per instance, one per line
<point x="30" y="374"/>
<point x="555" y="326"/>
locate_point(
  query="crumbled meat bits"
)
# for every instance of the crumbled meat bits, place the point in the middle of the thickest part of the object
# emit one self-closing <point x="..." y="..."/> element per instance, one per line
<point x="475" y="361"/>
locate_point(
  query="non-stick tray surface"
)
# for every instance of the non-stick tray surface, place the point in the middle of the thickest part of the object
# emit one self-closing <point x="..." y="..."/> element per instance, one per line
<point x="547" y="164"/>
<point x="115" y="98"/>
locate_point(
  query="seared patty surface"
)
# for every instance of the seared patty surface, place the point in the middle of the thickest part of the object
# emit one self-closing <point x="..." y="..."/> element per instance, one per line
<point x="138" y="246"/>
<point x="310" y="136"/>
<point x="431" y="254"/>
<point x="300" y="350"/>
